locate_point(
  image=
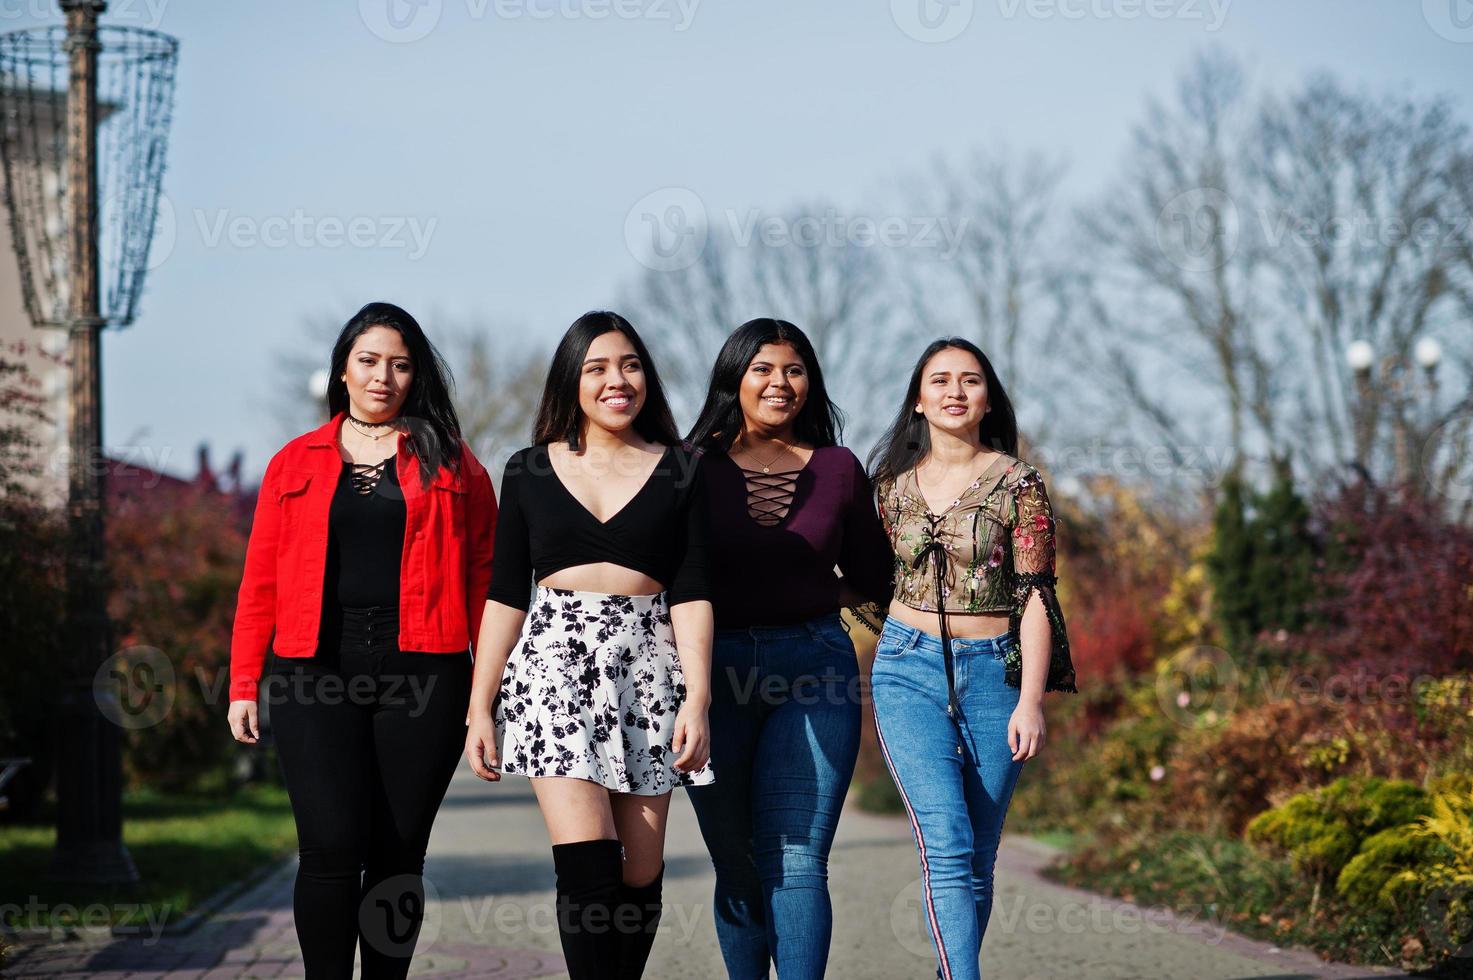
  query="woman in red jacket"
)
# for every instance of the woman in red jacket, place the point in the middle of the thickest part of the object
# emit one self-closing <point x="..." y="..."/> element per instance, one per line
<point x="369" y="560"/>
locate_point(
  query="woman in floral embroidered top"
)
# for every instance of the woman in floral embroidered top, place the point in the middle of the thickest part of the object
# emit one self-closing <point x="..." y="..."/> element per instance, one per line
<point x="974" y="635"/>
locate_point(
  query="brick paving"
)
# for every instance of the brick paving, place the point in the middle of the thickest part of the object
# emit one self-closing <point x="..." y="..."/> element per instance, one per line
<point x="253" y="937"/>
<point x="489" y="890"/>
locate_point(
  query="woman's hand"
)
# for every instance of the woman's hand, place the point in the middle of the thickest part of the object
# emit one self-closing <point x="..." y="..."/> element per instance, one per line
<point x="1025" y="730"/>
<point x="480" y="745"/>
<point x="692" y="738"/>
<point x="243" y="724"/>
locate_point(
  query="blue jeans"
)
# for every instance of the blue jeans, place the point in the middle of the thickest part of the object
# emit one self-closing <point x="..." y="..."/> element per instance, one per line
<point x="955" y="777"/>
<point x="785" y="720"/>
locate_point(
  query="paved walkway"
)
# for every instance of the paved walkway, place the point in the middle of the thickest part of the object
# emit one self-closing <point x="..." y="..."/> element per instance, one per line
<point x="489" y="887"/>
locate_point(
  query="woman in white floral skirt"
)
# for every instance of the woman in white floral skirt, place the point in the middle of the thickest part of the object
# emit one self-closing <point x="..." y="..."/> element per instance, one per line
<point x="597" y="686"/>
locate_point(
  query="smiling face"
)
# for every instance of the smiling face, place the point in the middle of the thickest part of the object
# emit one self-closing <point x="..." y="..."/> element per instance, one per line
<point x="611" y="387"/>
<point x="378" y="374"/>
<point x="953" y="394"/>
<point x="773" y="390"/>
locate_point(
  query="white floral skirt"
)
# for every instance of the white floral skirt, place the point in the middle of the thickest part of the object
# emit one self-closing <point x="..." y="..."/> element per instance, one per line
<point x="591" y="691"/>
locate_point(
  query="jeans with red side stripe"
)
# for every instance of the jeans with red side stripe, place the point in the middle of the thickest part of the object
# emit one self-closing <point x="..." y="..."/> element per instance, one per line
<point x="955" y="777"/>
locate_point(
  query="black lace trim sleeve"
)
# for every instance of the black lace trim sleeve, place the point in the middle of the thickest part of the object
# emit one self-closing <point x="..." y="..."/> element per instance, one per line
<point x="1061" y="665"/>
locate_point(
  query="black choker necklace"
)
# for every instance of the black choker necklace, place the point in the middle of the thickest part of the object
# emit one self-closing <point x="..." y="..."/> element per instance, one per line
<point x="360" y="425"/>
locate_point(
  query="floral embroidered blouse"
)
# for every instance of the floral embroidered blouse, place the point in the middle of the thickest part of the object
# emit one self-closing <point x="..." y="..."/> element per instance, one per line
<point x="987" y="552"/>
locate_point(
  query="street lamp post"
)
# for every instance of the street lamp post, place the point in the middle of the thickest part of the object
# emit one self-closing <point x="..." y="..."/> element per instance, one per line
<point x="89" y="821"/>
<point x="1428" y="354"/>
<point x="101" y="133"/>
<point x="1399" y="397"/>
<point x="1360" y="355"/>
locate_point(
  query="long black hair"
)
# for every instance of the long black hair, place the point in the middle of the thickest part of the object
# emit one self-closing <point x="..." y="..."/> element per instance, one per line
<point x="428" y="415"/>
<point x="908" y="439"/>
<point x="560" y="417"/>
<point x="819" y="421"/>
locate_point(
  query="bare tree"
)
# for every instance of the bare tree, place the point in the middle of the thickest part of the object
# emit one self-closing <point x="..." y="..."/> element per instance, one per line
<point x="998" y="281"/>
<point x="1248" y="242"/>
<point x="292" y="403"/>
<point x="839" y="292"/>
<point x="1365" y="206"/>
<point x="1168" y="281"/>
<point x="497" y="390"/>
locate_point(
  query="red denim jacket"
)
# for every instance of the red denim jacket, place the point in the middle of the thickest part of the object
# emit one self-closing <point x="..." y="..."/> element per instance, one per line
<point x="445" y="570"/>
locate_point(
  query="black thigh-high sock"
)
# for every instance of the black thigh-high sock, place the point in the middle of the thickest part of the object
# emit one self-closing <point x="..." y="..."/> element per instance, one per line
<point x="588" y="877"/>
<point x="637" y="927"/>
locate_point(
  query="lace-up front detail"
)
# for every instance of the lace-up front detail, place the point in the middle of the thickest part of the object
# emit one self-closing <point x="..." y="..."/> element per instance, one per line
<point x="770" y="495"/>
<point x="366" y="475"/>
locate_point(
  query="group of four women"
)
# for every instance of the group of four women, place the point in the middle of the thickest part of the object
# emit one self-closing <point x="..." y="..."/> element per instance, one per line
<point x="646" y="612"/>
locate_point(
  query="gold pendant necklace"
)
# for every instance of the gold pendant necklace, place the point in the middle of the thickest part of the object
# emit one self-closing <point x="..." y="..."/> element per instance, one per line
<point x="767" y="467"/>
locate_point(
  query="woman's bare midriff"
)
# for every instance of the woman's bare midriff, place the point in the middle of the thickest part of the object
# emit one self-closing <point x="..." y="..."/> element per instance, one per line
<point x="968" y="626"/>
<point x="603" y="577"/>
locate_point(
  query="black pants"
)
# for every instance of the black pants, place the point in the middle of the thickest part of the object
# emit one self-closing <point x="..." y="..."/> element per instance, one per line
<point x="368" y="738"/>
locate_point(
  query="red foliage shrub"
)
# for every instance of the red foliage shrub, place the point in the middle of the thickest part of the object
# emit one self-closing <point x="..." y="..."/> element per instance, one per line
<point x="1116" y="565"/>
<point x="1397" y="585"/>
<point x="1109" y="633"/>
<point x="175" y="558"/>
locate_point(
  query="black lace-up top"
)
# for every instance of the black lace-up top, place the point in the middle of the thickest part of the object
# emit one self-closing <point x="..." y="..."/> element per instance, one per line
<point x="776" y="539"/>
<point x="769" y="495"/>
<point x="365" y="535"/>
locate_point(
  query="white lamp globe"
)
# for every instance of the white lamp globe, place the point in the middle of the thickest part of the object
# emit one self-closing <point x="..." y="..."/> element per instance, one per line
<point x="1427" y="352"/>
<point x="317" y="383"/>
<point x="1360" y="355"/>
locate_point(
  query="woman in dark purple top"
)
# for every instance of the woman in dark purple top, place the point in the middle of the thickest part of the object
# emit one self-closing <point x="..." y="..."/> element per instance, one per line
<point x="788" y="506"/>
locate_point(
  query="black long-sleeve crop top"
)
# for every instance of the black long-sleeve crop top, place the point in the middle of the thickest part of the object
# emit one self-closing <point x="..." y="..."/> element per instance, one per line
<point x="541" y="528"/>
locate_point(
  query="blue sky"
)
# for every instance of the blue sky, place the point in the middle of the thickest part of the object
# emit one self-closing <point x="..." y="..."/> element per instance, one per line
<point x="487" y="168"/>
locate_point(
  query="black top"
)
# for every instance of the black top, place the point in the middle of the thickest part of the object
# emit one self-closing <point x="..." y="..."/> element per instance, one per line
<point x="365" y="536"/>
<point x="541" y="528"/>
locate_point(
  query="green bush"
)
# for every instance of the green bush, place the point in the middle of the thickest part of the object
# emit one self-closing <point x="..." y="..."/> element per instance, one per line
<point x="1444" y="716"/>
<point x="1130" y="749"/>
<point x="1183" y="870"/>
<point x="1235" y="885"/>
<point x="1452" y="784"/>
<point x="1322" y="830"/>
<point x="1366" y="881"/>
<point x="1442" y="886"/>
<point x="1083" y="781"/>
<point x="1370" y="879"/>
<point x="1261" y="564"/>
